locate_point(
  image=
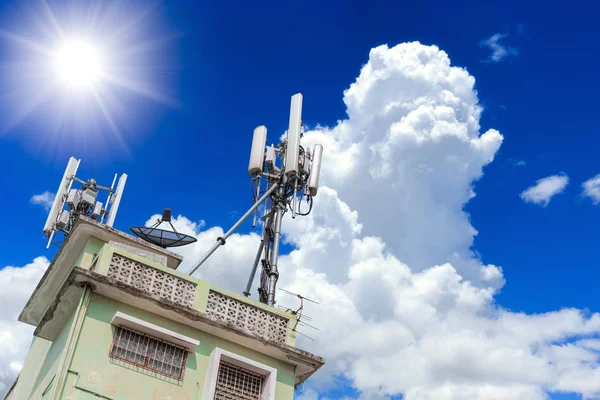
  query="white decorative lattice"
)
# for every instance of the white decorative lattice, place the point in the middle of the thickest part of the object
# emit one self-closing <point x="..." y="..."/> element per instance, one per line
<point x="152" y="280"/>
<point x="247" y="317"/>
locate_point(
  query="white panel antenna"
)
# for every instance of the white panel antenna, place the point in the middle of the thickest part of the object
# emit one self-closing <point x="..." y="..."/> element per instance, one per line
<point x="257" y="153"/>
<point x="59" y="198"/>
<point x="313" y="180"/>
<point x="116" y="200"/>
<point x="293" y="135"/>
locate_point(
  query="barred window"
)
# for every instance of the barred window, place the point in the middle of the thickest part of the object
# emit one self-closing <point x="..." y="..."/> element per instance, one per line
<point x="149" y="353"/>
<point x="237" y="383"/>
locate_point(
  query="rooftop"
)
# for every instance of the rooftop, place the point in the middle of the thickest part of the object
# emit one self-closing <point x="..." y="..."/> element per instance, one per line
<point x="113" y="263"/>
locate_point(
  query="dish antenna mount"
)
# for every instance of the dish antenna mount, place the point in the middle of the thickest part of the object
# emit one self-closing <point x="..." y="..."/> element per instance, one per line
<point x="70" y="203"/>
<point x="284" y="178"/>
<point x="162" y="237"/>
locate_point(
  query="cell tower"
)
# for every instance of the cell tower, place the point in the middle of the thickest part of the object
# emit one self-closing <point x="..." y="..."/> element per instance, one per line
<point x="70" y="203"/>
<point x="283" y="177"/>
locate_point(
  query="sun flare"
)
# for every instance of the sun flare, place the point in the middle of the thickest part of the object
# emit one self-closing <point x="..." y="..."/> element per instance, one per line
<point x="78" y="64"/>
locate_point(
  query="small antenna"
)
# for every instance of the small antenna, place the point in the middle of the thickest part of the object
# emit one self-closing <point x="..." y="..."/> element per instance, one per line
<point x="291" y="173"/>
<point x="69" y="204"/>
<point x="298" y="313"/>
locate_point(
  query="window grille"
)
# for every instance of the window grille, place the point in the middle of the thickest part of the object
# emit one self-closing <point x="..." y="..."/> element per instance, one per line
<point x="237" y="383"/>
<point x="149" y="353"/>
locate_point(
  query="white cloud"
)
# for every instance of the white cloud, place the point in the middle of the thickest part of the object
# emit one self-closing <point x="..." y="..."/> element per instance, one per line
<point x="591" y="188"/>
<point x="517" y="163"/>
<point x="16" y="284"/>
<point x="406" y="307"/>
<point x="544" y="189"/>
<point x="44" y="199"/>
<point x="499" y="51"/>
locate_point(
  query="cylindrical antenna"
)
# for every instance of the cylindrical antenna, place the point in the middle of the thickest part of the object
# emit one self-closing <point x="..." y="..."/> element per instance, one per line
<point x="293" y="135"/>
<point x="257" y="153"/>
<point x="313" y="182"/>
<point x="221" y="240"/>
<point x="110" y="194"/>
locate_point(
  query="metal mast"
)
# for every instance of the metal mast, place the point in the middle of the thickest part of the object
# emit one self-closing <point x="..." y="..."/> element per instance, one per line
<point x="291" y="178"/>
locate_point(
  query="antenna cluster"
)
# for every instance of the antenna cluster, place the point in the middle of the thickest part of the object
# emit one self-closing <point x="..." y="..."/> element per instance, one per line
<point x="70" y="203"/>
<point x="284" y="177"/>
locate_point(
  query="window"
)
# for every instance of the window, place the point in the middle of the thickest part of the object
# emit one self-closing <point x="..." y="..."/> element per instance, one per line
<point x="148" y="352"/>
<point x="237" y="383"/>
<point x="230" y="376"/>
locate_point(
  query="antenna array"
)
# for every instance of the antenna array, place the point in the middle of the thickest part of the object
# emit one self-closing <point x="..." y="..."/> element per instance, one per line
<point x="283" y="177"/>
<point x="71" y="203"/>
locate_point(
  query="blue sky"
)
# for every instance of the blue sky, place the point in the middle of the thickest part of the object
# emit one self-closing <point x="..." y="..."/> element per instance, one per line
<point x="223" y="69"/>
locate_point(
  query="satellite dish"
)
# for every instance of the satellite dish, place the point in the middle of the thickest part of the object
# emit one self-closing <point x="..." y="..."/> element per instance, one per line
<point x="162" y="237"/>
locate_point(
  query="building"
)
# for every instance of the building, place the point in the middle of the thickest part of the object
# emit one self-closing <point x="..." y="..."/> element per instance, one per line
<point x="115" y="320"/>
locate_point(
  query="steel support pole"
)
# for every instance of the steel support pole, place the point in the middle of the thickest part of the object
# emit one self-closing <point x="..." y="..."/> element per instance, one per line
<point x="221" y="240"/>
<point x="255" y="266"/>
<point x="273" y="275"/>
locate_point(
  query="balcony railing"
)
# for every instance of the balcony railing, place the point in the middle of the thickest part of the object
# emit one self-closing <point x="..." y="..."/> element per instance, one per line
<point x="151" y="280"/>
<point x="247" y="317"/>
<point x="128" y="266"/>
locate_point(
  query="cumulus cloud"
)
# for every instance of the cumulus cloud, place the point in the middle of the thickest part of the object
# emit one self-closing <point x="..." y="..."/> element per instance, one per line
<point x="591" y="188"/>
<point x="498" y="50"/>
<point x="44" y="199"/>
<point x="544" y="189"/>
<point x="406" y="307"/>
<point x="16" y="284"/>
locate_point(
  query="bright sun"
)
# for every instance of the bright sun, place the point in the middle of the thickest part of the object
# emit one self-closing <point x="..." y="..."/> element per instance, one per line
<point x="78" y="64"/>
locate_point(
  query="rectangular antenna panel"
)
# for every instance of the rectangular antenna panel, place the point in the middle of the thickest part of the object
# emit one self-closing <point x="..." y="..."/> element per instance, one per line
<point x="73" y="199"/>
<point x="88" y="197"/>
<point x="116" y="200"/>
<point x="271" y="156"/>
<point x="97" y="210"/>
<point x="59" y="198"/>
<point x="63" y="219"/>
<point x="315" y="171"/>
<point x="257" y="153"/>
<point x="293" y="135"/>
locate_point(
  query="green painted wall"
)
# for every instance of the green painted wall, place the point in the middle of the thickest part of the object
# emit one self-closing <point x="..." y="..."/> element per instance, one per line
<point x="93" y="246"/>
<point x="31" y="368"/>
<point x="51" y="362"/>
<point x="93" y="373"/>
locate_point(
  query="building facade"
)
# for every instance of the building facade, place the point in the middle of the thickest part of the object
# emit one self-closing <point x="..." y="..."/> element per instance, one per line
<point x="115" y="320"/>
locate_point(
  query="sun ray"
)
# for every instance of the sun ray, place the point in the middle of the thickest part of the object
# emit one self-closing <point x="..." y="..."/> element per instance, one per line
<point x="134" y="21"/>
<point x="27" y="110"/>
<point x="106" y="114"/>
<point x="52" y="19"/>
<point x="23" y="41"/>
<point x="141" y="89"/>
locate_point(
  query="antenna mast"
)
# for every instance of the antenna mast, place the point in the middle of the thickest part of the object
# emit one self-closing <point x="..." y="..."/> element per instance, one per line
<point x="291" y="178"/>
